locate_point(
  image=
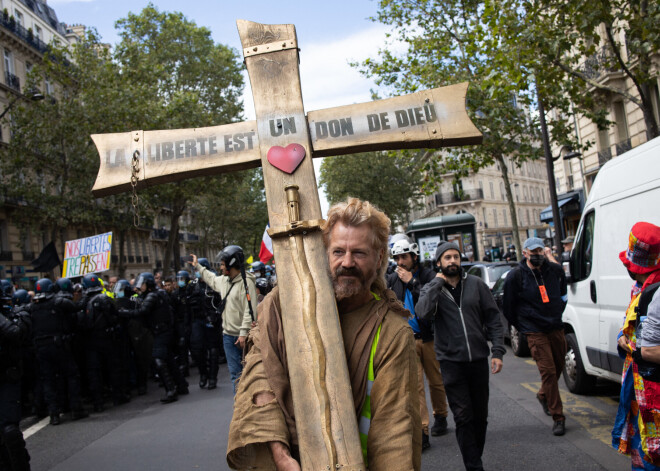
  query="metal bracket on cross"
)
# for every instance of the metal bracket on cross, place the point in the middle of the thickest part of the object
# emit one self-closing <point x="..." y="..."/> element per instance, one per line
<point x="279" y="140"/>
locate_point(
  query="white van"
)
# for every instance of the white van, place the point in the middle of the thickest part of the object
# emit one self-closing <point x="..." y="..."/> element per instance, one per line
<point x="626" y="191"/>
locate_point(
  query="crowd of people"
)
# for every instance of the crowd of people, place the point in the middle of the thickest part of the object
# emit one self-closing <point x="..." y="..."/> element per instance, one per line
<point x="102" y="342"/>
<point x="98" y="342"/>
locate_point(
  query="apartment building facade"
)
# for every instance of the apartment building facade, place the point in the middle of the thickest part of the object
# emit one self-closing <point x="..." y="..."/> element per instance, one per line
<point x="482" y="194"/>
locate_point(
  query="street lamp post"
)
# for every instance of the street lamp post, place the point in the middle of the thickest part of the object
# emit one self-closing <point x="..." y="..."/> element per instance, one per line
<point x="36" y="96"/>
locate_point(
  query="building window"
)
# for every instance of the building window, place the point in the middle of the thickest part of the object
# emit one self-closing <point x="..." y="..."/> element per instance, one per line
<point x="529" y="221"/>
<point x="485" y="217"/>
<point x="525" y="193"/>
<point x="495" y="217"/>
<point x="49" y="87"/>
<point x="502" y="192"/>
<point x="9" y="62"/>
<point x="19" y="18"/>
<point x="38" y="32"/>
<point x="504" y="217"/>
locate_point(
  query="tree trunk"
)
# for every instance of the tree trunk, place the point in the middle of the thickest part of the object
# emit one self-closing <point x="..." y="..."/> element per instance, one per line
<point x="121" y="239"/>
<point x="177" y="211"/>
<point x="512" y="206"/>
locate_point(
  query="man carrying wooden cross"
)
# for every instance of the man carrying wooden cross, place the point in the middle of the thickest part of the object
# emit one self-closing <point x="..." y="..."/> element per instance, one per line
<point x="380" y="351"/>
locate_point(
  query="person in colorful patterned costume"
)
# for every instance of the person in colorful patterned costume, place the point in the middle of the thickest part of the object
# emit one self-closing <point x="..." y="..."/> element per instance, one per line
<point x="380" y="353"/>
<point x="637" y="427"/>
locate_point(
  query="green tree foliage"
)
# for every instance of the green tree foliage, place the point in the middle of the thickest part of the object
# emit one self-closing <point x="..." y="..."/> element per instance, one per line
<point x="232" y="211"/>
<point x="442" y="42"/>
<point x="569" y="45"/>
<point x="191" y="81"/>
<point x="388" y="181"/>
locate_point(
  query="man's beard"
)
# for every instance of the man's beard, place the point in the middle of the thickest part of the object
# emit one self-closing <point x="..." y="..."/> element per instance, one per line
<point x="450" y="270"/>
<point x="349" y="287"/>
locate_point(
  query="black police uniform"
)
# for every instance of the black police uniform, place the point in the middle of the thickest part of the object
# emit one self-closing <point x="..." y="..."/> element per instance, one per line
<point x="157" y="313"/>
<point x="99" y="323"/>
<point x="206" y="336"/>
<point x="141" y="341"/>
<point x="15" y="329"/>
<point x="52" y="320"/>
<point x="182" y="330"/>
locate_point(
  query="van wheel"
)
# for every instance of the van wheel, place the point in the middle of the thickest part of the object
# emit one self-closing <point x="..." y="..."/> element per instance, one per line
<point x="577" y="380"/>
<point x="518" y="342"/>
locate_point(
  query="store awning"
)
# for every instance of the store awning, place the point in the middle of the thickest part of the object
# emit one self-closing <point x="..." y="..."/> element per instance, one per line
<point x="546" y="214"/>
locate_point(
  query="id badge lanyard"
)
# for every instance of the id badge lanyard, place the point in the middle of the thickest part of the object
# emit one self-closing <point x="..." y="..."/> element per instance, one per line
<point x="542" y="290"/>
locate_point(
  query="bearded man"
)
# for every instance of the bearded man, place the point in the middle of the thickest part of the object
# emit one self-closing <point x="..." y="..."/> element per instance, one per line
<point x="262" y="433"/>
<point x="465" y="317"/>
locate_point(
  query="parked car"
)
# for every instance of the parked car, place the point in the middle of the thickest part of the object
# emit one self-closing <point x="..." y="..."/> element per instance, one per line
<point x="518" y="341"/>
<point x="490" y="272"/>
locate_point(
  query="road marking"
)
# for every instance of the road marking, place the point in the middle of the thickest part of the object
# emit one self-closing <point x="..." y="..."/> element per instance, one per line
<point x="35" y="428"/>
<point x="595" y="421"/>
<point x="530" y="362"/>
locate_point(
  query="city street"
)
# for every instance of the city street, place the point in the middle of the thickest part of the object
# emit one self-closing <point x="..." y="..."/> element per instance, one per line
<point x="192" y="433"/>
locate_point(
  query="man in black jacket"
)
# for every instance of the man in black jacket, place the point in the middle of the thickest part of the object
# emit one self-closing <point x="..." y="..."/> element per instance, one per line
<point x="535" y="296"/>
<point x="465" y="317"/>
<point x="407" y="281"/>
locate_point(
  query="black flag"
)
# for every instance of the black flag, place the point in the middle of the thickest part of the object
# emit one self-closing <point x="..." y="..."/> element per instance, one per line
<point x="47" y="259"/>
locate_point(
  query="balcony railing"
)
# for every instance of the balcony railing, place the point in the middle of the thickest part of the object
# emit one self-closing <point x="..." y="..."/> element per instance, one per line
<point x="26" y="35"/>
<point x="12" y="81"/>
<point x="160" y="234"/>
<point x="604" y="156"/>
<point x="28" y="255"/>
<point x="599" y="63"/>
<point x="6" y="255"/>
<point x="623" y="146"/>
<point x="457" y="197"/>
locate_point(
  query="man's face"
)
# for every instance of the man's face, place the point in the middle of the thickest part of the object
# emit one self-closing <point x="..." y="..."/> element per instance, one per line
<point x="353" y="260"/>
<point x="405" y="261"/>
<point x="450" y="263"/>
<point x="223" y="269"/>
<point x="112" y="282"/>
<point x="168" y="286"/>
<point x="158" y="277"/>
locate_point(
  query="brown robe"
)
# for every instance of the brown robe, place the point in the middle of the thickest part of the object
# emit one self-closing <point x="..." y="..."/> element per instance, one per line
<point x="394" y="441"/>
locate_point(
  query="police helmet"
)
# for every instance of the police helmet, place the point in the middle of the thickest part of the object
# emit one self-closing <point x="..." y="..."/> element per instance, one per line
<point x="6" y="289"/>
<point x="64" y="285"/>
<point x="122" y="289"/>
<point x="20" y="297"/>
<point x="204" y="262"/>
<point x="145" y="278"/>
<point x="91" y="281"/>
<point x="182" y="278"/>
<point x="233" y="257"/>
<point x="44" y="289"/>
<point x="263" y="286"/>
<point x="404" y="246"/>
<point x="258" y="266"/>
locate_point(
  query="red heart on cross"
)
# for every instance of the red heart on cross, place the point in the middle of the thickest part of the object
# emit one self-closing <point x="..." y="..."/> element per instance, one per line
<point x="286" y="158"/>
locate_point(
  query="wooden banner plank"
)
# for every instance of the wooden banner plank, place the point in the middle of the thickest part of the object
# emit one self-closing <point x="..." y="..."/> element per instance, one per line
<point x="427" y="119"/>
<point x="174" y="155"/>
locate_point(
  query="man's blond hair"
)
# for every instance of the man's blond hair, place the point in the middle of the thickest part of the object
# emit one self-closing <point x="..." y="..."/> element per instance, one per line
<point x="354" y="212"/>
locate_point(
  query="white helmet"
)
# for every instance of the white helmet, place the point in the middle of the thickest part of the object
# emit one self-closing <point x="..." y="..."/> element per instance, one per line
<point x="404" y="246"/>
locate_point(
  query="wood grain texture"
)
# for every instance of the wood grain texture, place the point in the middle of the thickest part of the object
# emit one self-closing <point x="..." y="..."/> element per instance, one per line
<point x="275" y="84"/>
<point x="427" y="119"/>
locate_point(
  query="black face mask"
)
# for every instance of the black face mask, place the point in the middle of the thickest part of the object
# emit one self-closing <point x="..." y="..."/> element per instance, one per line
<point x="632" y="275"/>
<point x="536" y="259"/>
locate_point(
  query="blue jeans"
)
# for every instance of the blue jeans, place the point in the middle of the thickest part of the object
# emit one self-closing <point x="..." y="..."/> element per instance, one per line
<point x="234" y="355"/>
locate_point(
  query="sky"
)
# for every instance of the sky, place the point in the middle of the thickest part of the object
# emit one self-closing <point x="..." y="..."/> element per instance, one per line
<point x="330" y="36"/>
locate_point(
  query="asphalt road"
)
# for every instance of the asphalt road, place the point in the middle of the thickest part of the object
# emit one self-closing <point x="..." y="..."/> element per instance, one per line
<point x="191" y="434"/>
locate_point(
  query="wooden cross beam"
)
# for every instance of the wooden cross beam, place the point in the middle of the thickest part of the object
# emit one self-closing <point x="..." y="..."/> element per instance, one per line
<point x="282" y="140"/>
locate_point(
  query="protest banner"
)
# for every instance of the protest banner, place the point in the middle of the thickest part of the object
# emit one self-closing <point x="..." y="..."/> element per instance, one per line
<point x="87" y="255"/>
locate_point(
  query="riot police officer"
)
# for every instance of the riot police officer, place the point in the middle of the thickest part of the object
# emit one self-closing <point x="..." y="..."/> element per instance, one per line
<point x="52" y="321"/>
<point x="183" y="322"/>
<point x="157" y="313"/>
<point x="14" y="334"/>
<point x="206" y="332"/>
<point x="140" y="338"/>
<point x="98" y="321"/>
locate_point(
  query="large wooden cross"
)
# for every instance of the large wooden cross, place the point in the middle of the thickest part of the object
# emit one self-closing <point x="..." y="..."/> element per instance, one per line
<point x="282" y="140"/>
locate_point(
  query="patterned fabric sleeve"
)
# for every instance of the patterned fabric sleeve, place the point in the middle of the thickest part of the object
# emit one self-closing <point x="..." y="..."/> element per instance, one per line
<point x="651" y="330"/>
